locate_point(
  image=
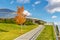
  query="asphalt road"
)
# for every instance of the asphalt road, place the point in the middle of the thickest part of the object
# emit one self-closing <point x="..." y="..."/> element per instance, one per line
<point x="31" y="35"/>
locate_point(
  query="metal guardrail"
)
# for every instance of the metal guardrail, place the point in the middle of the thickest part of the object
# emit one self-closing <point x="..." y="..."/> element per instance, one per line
<point x="55" y="32"/>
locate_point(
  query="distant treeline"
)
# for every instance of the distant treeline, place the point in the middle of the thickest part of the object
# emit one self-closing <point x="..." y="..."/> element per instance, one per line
<point x="7" y="20"/>
<point x="28" y="21"/>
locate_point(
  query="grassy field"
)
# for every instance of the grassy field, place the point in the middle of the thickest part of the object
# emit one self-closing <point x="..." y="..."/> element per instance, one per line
<point x="47" y="34"/>
<point x="11" y="31"/>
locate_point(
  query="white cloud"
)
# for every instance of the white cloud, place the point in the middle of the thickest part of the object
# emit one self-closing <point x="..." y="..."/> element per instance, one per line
<point x="54" y="10"/>
<point x="36" y="3"/>
<point x="11" y="2"/>
<point x="53" y="1"/>
<point x="23" y="1"/>
<point x="33" y="5"/>
<point x="54" y="17"/>
<point x="26" y="13"/>
<point x="53" y="6"/>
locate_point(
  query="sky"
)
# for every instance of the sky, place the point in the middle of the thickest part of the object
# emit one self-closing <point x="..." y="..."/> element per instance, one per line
<point x="47" y="10"/>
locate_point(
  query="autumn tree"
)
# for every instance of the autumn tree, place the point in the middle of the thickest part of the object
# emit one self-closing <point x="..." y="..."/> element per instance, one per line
<point x="20" y="18"/>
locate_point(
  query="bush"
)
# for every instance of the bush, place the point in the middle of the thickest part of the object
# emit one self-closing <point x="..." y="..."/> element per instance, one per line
<point x="29" y="22"/>
<point x="7" y="21"/>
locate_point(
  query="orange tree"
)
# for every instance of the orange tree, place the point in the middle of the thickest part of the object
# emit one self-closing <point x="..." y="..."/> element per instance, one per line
<point x="20" y="18"/>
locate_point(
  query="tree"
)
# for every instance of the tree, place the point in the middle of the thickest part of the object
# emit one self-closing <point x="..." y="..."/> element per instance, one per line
<point x="20" y="18"/>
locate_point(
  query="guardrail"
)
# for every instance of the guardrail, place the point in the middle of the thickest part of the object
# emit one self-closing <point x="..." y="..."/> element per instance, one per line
<point x="55" y="32"/>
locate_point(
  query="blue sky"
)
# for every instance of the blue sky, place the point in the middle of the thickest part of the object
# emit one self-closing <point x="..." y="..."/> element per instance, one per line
<point x="47" y="10"/>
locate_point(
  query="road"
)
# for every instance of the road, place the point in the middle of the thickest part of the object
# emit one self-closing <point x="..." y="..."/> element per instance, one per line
<point x="31" y="35"/>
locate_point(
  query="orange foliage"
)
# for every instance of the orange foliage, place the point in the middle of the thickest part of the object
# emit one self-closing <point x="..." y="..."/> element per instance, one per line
<point x="20" y="18"/>
<point x="20" y="10"/>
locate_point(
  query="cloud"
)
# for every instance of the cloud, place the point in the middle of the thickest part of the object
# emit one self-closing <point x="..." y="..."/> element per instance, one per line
<point x="53" y="6"/>
<point x="26" y="13"/>
<point x="33" y="5"/>
<point x="11" y="2"/>
<point x="54" y="17"/>
<point x="36" y="3"/>
<point x="23" y="1"/>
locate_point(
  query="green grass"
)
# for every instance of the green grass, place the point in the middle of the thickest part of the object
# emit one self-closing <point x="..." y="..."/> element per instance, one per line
<point x="11" y="31"/>
<point x="47" y="33"/>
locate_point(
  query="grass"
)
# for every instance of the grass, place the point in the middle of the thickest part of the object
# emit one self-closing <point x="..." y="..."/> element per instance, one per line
<point x="47" y="33"/>
<point x="11" y="31"/>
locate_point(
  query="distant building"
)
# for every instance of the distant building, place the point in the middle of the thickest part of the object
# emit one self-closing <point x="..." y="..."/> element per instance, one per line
<point x="49" y="23"/>
<point x="36" y="20"/>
